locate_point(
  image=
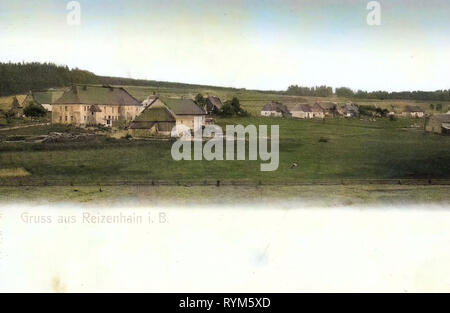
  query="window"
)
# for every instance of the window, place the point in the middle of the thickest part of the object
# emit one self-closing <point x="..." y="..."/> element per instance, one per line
<point x="85" y="117"/>
<point x="60" y="118"/>
<point x="65" y="118"/>
<point x="65" y="108"/>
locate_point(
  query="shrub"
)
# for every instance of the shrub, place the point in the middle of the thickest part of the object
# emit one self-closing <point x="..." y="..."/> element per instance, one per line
<point x="34" y="110"/>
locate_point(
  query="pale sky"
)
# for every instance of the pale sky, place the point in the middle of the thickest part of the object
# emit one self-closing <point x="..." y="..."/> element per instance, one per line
<point x="255" y="44"/>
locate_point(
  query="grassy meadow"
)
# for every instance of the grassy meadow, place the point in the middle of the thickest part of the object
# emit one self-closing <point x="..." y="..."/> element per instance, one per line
<point x="354" y="149"/>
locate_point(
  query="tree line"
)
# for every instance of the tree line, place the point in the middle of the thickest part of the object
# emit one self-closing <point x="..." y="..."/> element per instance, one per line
<point x="19" y="78"/>
<point x="325" y="91"/>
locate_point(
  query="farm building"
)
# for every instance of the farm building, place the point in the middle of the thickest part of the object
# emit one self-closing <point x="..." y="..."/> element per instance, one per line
<point x="330" y="108"/>
<point x="275" y="109"/>
<point x="413" y="111"/>
<point x="162" y="114"/>
<point x="349" y="110"/>
<point x="95" y="105"/>
<point x="302" y="110"/>
<point x="156" y="119"/>
<point x="213" y="104"/>
<point x="18" y="104"/>
<point x="439" y="123"/>
<point x="317" y="111"/>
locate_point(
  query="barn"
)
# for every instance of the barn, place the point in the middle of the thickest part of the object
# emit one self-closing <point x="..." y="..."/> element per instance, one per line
<point x="155" y="120"/>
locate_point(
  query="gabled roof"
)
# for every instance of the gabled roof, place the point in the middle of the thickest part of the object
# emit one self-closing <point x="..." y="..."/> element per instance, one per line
<point x="413" y="108"/>
<point x="21" y="98"/>
<point x="276" y="107"/>
<point x="215" y="101"/>
<point x="302" y="107"/>
<point x="156" y="113"/>
<point x="183" y="106"/>
<point x="317" y="108"/>
<point x="102" y="95"/>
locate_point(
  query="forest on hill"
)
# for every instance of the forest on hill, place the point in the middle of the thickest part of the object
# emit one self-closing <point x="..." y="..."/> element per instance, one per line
<point x="17" y="78"/>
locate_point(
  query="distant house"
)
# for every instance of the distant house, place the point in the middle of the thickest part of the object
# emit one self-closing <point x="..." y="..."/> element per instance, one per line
<point x="302" y="110"/>
<point x="18" y="104"/>
<point x="413" y="111"/>
<point x="213" y="104"/>
<point x="149" y="100"/>
<point x="275" y="109"/>
<point x="439" y="124"/>
<point x="317" y="111"/>
<point x="349" y="110"/>
<point x="329" y="107"/>
<point x="164" y="113"/>
<point x="95" y="105"/>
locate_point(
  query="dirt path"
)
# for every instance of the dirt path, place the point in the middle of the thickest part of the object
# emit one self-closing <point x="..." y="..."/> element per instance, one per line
<point x="24" y="126"/>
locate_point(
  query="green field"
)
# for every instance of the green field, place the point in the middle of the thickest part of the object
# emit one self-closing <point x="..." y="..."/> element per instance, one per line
<point x="355" y="149"/>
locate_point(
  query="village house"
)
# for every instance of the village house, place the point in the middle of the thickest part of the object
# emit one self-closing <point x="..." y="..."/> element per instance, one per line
<point x="213" y="104"/>
<point x="439" y="124"/>
<point x="275" y="109"/>
<point x="413" y="111"/>
<point x="317" y="111"/>
<point x="95" y="105"/>
<point x="160" y="116"/>
<point x="330" y="108"/>
<point x="302" y="110"/>
<point x="349" y="110"/>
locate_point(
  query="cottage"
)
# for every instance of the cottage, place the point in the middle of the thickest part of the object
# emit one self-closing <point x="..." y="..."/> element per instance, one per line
<point x="413" y="111"/>
<point x="317" y="111"/>
<point x="302" y="110"/>
<point x="275" y="109"/>
<point x="95" y="105"/>
<point x="213" y="104"/>
<point x="160" y="116"/>
<point x="439" y="124"/>
<point x="330" y="108"/>
<point x="349" y="110"/>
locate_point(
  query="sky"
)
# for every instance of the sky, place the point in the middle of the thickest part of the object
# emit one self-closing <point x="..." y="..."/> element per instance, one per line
<point x="254" y="44"/>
